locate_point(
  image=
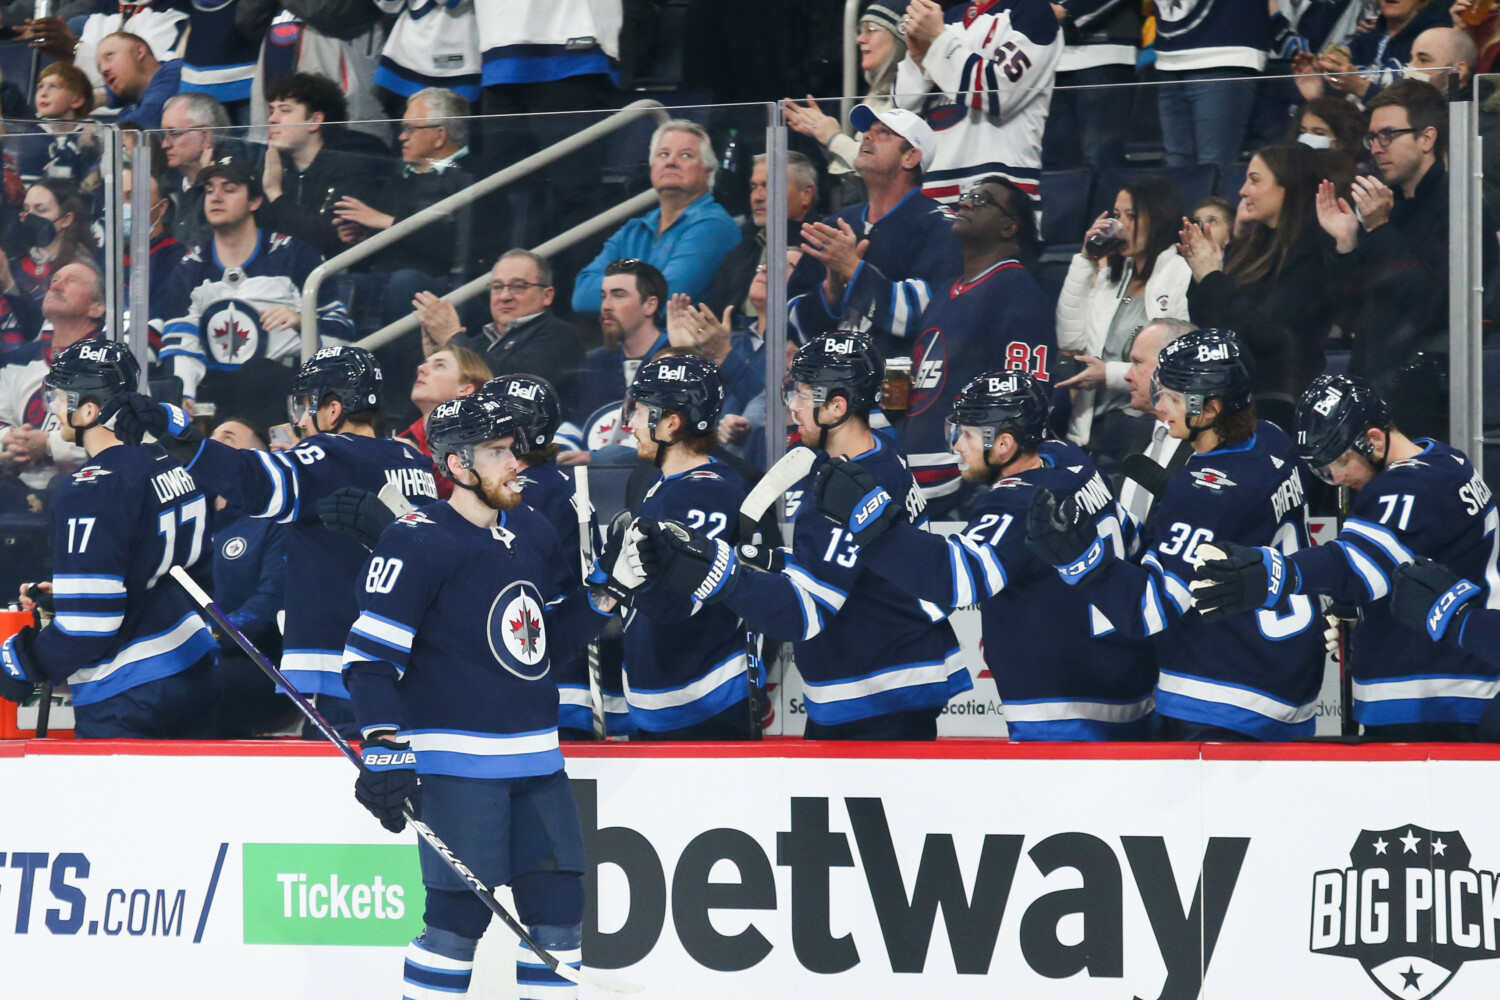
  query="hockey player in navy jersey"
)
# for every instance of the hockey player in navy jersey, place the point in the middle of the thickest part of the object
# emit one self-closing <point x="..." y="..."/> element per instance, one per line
<point x="1413" y="498"/>
<point x="464" y="605"/>
<point x="1432" y="599"/>
<point x="876" y="662"/>
<point x="335" y="408"/>
<point x="687" y="675"/>
<point x="1060" y="667"/>
<point x="130" y="644"/>
<point x="1254" y="675"/>
<point x="238" y="296"/>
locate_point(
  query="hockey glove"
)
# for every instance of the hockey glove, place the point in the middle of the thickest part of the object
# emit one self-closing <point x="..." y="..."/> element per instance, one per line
<point x="19" y="676"/>
<point x="387" y="780"/>
<point x="356" y="513"/>
<point x="846" y="492"/>
<point x="1430" y="597"/>
<point x="617" y="569"/>
<point x="1233" y="578"/>
<point x="771" y="558"/>
<point x="687" y="562"/>
<point x="1061" y="535"/>
<point x="134" y="417"/>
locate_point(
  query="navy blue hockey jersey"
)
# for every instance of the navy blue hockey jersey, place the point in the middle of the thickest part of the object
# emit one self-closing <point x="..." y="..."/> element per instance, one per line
<point x="685" y="661"/>
<point x="1259" y="672"/>
<point x="119" y="524"/>
<point x="864" y="647"/>
<point x="322" y="565"/>
<point x="1435" y="505"/>
<point x="457" y="630"/>
<point x="1062" y="671"/>
<point x="218" y="60"/>
<point x="250" y="571"/>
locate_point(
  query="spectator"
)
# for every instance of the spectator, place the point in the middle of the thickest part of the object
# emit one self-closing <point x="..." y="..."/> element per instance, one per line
<point x="1106" y="301"/>
<point x="68" y="148"/>
<point x="1090" y="114"/>
<point x="218" y="59"/>
<point x="541" y="56"/>
<point x="687" y="236"/>
<point x="160" y="25"/>
<point x="435" y="152"/>
<point x="731" y="285"/>
<point x="166" y="250"/>
<point x="1142" y="483"/>
<point x="447" y="373"/>
<point x="1215" y="217"/>
<point x="631" y="296"/>
<point x="304" y="178"/>
<point x="523" y="336"/>
<point x="1207" y="58"/>
<point x="20" y="314"/>
<point x="1374" y="58"/>
<point x="988" y="82"/>
<point x="1329" y="123"/>
<point x="138" y="83"/>
<point x="905" y="237"/>
<point x="1439" y="53"/>
<point x="430" y="45"/>
<point x="55" y="231"/>
<point x="31" y="446"/>
<point x="236" y="301"/>
<point x="881" y="49"/>
<point x="1277" y="271"/>
<point x="192" y="126"/>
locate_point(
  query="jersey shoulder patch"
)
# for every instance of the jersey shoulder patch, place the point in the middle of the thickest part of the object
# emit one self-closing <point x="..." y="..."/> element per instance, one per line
<point x="1212" y="479"/>
<point x="91" y="474"/>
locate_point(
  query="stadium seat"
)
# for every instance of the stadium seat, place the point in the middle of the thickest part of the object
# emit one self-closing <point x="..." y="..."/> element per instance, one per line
<point x="1230" y="182"/>
<point x="1065" y="197"/>
<point x="1192" y="183"/>
<point x="1143" y="143"/>
<point x="1337" y="363"/>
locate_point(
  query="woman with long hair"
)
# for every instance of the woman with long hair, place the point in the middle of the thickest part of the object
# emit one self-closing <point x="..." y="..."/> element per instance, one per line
<point x="1106" y="299"/>
<point x="1276" y="267"/>
<point x="55" y="228"/>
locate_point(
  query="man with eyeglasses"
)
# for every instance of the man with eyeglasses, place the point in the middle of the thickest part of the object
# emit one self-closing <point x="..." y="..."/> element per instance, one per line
<point x="191" y="125"/>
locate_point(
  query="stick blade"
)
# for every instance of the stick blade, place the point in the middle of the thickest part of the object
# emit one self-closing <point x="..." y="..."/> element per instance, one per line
<point x="791" y="469"/>
<point x="599" y="983"/>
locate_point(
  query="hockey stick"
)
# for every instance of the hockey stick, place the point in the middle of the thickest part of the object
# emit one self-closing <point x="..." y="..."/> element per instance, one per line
<point x="572" y="975"/>
<point x="585" y="509"/>
<point x="792" y="468"/>
<point x="1347" y="725"/>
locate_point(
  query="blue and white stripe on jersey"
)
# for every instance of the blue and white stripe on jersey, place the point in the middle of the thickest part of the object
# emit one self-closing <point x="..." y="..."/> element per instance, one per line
<point x="88" y="605"/>
<point x="1233" y="706"/>
<point x="575" y="710"/>
<point x="315" y="671"/>
<point x="485" y="755"/>
<point x="1057" y="719"/>
<point x="145" y="659"/>
<point x="814" y="596"/>
<point x="661" y="709"/>
<point x="1389" y="701"/>
<point x="382" y="640"/>
<point x="901" y="687"/>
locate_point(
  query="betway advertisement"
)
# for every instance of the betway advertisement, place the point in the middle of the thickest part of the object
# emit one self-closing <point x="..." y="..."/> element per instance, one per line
<point x="1165" y="873"/>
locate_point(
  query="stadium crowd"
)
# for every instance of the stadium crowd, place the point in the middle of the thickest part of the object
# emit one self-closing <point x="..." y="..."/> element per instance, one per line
<point x="1000" y="200"/>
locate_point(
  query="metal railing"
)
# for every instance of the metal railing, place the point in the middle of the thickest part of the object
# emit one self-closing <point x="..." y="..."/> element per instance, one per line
<point x="851" y="60"/>
<point x="446" y="207"/>
<point x="1465" y="283"/>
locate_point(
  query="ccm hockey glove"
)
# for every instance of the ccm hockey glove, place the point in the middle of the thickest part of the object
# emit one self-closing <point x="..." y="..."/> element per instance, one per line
<point x="846" y="492"/>
<point x="1430" y="597"/>
<point x="687" y="562"/>
<point x="1060" y="534"/>
<point x="387" y="779"/>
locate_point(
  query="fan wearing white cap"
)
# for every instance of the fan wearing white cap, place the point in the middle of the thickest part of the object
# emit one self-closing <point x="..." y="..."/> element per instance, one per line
<point x="984" y="84"/>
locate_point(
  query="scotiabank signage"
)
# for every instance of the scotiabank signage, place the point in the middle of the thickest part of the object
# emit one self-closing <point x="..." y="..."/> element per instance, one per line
<point x="1162" y="878"/>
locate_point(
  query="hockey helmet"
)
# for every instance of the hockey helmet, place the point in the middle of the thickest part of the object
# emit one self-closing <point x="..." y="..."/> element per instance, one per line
<point x="1012" y="401"/>
<point x="687" y="385"/>
<point x="94" y="370"/>
<point x="455" y="427"/>
<point x="350" y="373"/>
<point x="1332" y="417"/>
<point x="1204" y="365"/>
<point x="845" y="361"/>
<point x="532" y="402"/>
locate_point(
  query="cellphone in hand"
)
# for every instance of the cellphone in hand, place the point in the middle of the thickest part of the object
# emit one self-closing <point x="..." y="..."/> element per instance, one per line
<point x="283" y="438"/>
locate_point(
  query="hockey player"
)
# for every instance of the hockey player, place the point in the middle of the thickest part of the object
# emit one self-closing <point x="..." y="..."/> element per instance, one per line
<point x="335" y="408"/>
<point x="462" y="611"/>
<point x="686" y="670"/>
<point x="1413" y="498"/>
<point x="1062" y="671"/>
<point x="877" y="663"/>
<point x="238" y="296"/>
<point x="131" y="646"/>
<point x="1431" y="598"/>
<point x="1251" y="676"/>
<point x="985" y="84"/>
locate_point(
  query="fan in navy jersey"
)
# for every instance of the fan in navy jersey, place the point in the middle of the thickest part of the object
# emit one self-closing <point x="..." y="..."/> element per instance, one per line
<point x="335" y="408"/>
<point x="686" y="670"/>
<point x="876" y="662"/>
<point x="992" y="316"/>
<point x="464" y="605"/>
<point x="1062" y="671"/>
<point x="1254" y="675"/>
<point x="1415" y="498"/>
<point x="548" y="490"/>
<point x="129" y="644"/>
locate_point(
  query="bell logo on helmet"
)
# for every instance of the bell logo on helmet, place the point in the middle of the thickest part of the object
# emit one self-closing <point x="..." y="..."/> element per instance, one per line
<point x="93" y="353"/>
<point x="1217" y="352"/>
<point x="1330" y="400"/>
<point x="678" y="374"/>
<point x="447" y="409"/>
<point x="523" y="390"/>
<point x="843" y="346"/>
<point x="328" y="352"/>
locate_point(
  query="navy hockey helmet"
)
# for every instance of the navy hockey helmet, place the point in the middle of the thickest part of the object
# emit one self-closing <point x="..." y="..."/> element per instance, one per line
<point x="534" y="404"/>
<point x="1012" y="401"/>
<point x="93" y="370"/>
<point x="1204" y="365"/>
<point x="350" y="373"/>
<point x="1332" y="417"/>
<point x="687" y="385"/>
<point x="847" y="362"/>
<point x="455" y="427"/>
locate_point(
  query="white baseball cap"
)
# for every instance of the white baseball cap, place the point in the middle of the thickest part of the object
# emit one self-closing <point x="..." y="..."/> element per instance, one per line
<point x="906" y="124"/>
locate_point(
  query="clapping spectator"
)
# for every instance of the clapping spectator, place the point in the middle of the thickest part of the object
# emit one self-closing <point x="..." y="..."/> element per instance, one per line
<point x="1215" y="217"/>
<point x="731" y="285"/>
<point x="1374" y="58"/>
<point x="687" y="237"/>
<point x="1106" y="300"/>
<point x="55" y="230"/>
<point x="138" y="83"/>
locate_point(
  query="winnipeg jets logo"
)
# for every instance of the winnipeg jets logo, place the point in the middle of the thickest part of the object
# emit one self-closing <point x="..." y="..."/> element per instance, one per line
<point x="413" y="519"/>
<point x="1010" y="482"/>
<point x="234" y="548"/>
<point x="1211" y="478"/>
<point x="605" y="428"/>
<point x="89" y="474"/>
<point x="1407" y="463"/>
<point x="517" y="632"/>
<point x="232" y="331"/>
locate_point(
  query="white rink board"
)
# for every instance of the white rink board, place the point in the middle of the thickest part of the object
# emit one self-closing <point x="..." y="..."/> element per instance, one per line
<point x="1057" y="832"/>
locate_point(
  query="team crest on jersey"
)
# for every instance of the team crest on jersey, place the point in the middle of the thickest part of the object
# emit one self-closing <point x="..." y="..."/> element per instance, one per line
<point x="1212" y="479"/>
<point x="231" y="331"/>
<point x="89" y="474"/>
<point x="1010" y="482"/>
<point x="414" y="518"/>
<point x="929" y="357"/>
<point x="517" y="632"/>
<point x="793" y="501"/>
<point x="703" y="474"/>
<point x="1173" y="11"/>
<point x="605" y="428"/>
<point x="234" y="548"/>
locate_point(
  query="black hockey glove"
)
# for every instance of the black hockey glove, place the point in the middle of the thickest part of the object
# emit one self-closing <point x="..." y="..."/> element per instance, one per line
<point x="1061" y="535"/>
<point x="687" y="562"/>
<point x="1233" y="578"/>
<point x="846" y="492"/>
<point x="41" y="598"/>
<point x="359" y="514"/>
<point x="771" y="558"/>
<point x="387" y="779"/>
<point x="1430" y="597"/>
<point x="617" y="568"/>
<point x="19" y="675"/>
<point x="133" y="417"/>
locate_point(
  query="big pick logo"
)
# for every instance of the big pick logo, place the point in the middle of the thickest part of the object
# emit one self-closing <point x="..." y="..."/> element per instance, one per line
<point x="1410" y="909"/>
